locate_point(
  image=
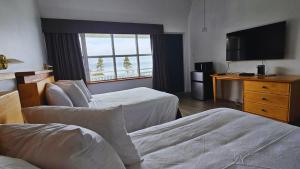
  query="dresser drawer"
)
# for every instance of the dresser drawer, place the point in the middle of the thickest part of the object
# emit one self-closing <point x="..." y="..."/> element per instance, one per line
<point x="269" y="99"/>
<point x="267" y="111"/>
<point x="267" y="87"/>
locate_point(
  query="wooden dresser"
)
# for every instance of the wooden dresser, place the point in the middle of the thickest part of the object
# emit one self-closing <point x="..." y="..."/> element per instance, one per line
<point x="276" y="97"/>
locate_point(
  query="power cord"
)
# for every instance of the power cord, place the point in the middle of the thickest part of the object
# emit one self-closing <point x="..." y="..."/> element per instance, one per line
<point x="228" y="67"/>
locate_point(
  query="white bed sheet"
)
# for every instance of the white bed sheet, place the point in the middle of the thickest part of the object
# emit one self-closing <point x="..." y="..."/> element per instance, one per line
<point x="219" y="139"/>
<point x="143" y="107"/>
<point x="14" y="163"/>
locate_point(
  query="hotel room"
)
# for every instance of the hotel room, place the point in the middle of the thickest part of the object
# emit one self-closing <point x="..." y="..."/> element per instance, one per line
<point x="161" y="84"/>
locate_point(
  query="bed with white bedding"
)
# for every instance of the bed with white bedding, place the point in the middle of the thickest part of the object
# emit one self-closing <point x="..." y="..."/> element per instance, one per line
<point x="216" y="139"/>
<point x="143" y="107"/>
<point x="219" y="139"/>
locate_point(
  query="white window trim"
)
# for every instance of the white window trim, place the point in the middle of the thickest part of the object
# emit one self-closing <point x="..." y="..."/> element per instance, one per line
<point x="114" y="56"/>
<point x="85" y="58"/>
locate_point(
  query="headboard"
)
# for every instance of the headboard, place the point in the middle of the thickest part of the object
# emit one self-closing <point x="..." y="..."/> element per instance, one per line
<point x="10" y="107"/>
<point x="31" y="86"/>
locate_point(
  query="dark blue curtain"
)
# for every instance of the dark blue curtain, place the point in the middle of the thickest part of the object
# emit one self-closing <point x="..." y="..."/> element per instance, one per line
<point x="160" y="80"/>
<point x="64" y="54"/>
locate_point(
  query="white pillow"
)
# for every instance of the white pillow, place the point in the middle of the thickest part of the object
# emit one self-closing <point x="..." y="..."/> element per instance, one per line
<point x="58" y="146"/>
<point x="75" y="94"/>
<point x="109" y="123"/>
<point x="14" y="163"/>
<point x="81" y="85"/>
<point x="56" y="96"/>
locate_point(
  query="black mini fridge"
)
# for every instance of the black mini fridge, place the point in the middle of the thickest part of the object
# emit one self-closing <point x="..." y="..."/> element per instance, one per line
<point x="201" y="81"/>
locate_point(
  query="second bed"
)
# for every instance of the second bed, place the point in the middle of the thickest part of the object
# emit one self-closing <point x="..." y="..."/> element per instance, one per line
<point x="143" y="107"/>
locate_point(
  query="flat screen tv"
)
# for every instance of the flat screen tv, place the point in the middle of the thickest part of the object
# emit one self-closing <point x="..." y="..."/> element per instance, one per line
<point x="260" y="43"/>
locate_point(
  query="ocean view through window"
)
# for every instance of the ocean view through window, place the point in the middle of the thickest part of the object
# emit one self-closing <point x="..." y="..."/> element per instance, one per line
<point x="116" y="56"/>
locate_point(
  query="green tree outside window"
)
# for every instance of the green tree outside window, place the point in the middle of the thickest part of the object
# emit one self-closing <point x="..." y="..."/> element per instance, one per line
<point x="100" y="67"/>
<point x="127" y="65"/>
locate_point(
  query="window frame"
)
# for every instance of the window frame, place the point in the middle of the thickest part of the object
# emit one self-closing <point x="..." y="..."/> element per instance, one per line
<point x="82" y="37"/>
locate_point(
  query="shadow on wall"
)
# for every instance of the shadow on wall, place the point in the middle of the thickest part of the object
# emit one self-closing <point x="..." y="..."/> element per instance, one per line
<point x="233" y="91"/>
<point x="281" y="70"/>
<point x="220" y="67"/>
<point x="292" y="41"/>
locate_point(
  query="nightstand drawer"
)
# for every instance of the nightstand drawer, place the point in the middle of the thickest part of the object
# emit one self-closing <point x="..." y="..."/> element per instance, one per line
<point x="264" y="98"/>
<point x="267" y="87"/>
<point x="267" y="111"/>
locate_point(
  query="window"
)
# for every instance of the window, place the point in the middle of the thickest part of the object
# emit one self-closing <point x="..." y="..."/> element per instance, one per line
<point x="116" y="56"/>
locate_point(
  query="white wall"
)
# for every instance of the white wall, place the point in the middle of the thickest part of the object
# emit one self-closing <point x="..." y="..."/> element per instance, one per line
<point x="172" y="14"/>
<point x="225" y="16"/>
<point x="21" y="36"/>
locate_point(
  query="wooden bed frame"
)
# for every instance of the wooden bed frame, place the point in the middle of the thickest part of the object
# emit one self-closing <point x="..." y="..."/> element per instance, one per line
<point x="10" y="107"/>
<point x="31" y="86"/>
<point x="31" y="92"/>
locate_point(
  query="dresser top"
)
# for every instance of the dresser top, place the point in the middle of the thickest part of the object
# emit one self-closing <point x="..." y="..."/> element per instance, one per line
<point x="277" y="78"/>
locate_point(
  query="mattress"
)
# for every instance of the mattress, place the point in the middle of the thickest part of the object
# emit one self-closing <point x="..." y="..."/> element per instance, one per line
<point x="143" y="107"/>
<point x="218" y="139"/>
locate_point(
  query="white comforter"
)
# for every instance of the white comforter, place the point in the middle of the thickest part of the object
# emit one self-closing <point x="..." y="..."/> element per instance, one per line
<point x="219" y="139"/>
<point x="143" y="107"/>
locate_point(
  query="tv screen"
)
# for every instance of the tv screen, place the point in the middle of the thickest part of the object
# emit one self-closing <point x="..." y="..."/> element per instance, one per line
<point x="260" y="43"/>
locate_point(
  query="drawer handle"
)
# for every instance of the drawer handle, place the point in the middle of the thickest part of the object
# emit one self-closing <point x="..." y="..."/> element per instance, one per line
<point x="263" y="98"/>
<point x="264" y="87"/>
<point x="263" y="110"/>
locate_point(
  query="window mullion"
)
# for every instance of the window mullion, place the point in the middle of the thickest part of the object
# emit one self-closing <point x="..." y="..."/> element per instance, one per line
<point x="85" y="57"/>
<point x="114" y="55"/>
<point x="138" y="55"/>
